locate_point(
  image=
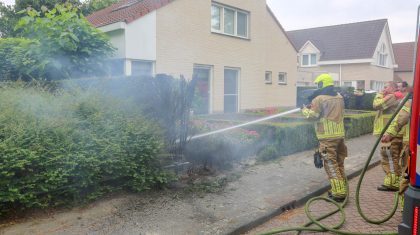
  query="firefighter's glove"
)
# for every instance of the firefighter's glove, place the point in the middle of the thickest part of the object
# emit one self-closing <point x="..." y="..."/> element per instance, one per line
<point x="318" y="160"/>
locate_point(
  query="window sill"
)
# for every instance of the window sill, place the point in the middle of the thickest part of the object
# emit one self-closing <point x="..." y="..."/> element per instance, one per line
<point x="268" y="83"/>
<point x="309" y="66"/>
<point x="282" y="83"/>
<point x="230" y="35"/>
<point x="383" y="66"/>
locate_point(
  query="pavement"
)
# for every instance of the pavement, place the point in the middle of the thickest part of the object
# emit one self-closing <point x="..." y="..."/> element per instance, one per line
<point x="375" y="205"/>
<point x="262" y="192"/>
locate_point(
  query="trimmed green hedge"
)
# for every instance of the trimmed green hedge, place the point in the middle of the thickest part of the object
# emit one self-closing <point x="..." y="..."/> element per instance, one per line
<point x="286" y="138"/>
<point x="72" y="146"/>
<point x="359" y="124"/>
<point x="363" y="101"/>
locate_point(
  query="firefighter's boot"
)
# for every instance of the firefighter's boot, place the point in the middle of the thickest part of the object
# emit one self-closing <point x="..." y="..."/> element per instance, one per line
<point x="338" y="189"/>
<point x="391" y="183"/>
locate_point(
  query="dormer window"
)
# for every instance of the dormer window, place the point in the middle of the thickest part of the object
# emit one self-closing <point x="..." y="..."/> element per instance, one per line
<point x="229" y="21"/>
<point x="382" y="56"/>
<point x="309" y="60"/>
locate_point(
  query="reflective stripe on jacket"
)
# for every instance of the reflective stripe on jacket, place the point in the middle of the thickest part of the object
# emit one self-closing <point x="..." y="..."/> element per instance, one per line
<point x="386" y="106"/>
<point x="329" y="111"/>
<point x="401" y="123"/>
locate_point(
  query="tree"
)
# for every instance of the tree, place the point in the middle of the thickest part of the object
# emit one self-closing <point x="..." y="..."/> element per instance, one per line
<point x="38" y="4"/>
<point x="69" y="45"/>
<point x="90" y="6"/>
<point x="8" y="19"/>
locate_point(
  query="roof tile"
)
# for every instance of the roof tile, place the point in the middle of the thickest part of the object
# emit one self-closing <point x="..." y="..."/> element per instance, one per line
<point x="125" y="11"/>
<point x="404" y="56"/>
<point x="342" y="42"/>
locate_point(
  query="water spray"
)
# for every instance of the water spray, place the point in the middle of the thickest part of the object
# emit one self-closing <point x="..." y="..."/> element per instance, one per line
<point x="246" y="124"/>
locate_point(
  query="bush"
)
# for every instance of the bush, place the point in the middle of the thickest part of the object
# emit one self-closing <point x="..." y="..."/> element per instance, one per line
<point x="359" y="124"/>
<point x="357" y="102"/>
<point x="63" y="147"/>
<point x="288" y="138"/>
<point x="270" y="140"/>
<point x="220" y="150"/>
<point x="268" y="153"/>
<point x="19" y="59"/>
<point x="68" y="45"/>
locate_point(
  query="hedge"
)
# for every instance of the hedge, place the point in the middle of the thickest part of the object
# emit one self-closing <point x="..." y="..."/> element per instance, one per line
<point x="352" y="101"/>
<point x="71" y="147"/>
<point x="220" y="151"/>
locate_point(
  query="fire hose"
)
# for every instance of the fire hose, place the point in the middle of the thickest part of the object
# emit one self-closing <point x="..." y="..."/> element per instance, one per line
<point x="340" y="206"/>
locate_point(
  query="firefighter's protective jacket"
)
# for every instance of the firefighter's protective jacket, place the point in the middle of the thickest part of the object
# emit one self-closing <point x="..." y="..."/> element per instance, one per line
<point x="386" y="106"/>
<point x="329" y="111"/>
<point x="401" y="123"/>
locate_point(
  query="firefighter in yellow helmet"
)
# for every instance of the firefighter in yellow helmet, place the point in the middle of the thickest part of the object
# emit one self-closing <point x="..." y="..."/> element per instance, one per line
<point x="386" y="103"/>
<point x="401" y="123"/>
<point x="327" y="107"/>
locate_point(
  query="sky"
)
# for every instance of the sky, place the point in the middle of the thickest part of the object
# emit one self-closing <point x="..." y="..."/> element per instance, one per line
<point x="302" y="14"/>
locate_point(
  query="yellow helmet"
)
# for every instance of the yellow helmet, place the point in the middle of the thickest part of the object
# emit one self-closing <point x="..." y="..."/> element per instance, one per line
<point x="324" y="80"/>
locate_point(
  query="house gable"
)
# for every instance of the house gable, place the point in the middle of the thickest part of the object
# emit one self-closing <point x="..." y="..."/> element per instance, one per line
<point x="309" y="48"/>
<point x="384" y="54"/>
<point x="355" y="41"/>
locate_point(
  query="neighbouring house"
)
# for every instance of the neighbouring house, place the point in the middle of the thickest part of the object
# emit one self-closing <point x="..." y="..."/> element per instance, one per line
<point x="357" y="55"/>
<point x="237" y="49"/>
<point x="404" y="56"/>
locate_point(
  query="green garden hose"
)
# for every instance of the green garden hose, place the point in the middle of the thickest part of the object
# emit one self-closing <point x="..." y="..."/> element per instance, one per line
<point x="335" y="229"/>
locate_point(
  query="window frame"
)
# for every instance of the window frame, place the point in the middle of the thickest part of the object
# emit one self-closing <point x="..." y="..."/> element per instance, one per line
<point x="150" y="62"/>
<point x="270" y="81"/>
<point x="284" y="76"/>
<point x="310" y="62"/>
<point x="382" y="59"/>
<point x="221" y="29"/>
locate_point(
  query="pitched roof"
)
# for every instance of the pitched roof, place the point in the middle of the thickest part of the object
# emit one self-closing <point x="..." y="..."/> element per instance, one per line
<point x="404" y="56"/>
<point x="125" y="11"/>
<point x="342" y="42"/>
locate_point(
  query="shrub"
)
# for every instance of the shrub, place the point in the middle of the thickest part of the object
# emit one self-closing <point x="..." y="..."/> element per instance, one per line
<point x="270" y="141"/>
<point x="357" y="102"/>
<point x="220" y="150"/>
<point x="288" y="138"/>
<point x="268" y="153"/>
<point x="19" y="59"/>
<point x="70" y="47"/>
<point x="359" y="124"/>
<point x="57" y="148"/>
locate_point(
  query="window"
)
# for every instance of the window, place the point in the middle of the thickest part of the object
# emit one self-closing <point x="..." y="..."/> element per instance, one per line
<point x="142" y="68"/>
<point x="242" y="24"/>
<point x="215" y="17"/>
<point x="382" y="56"/>
<point x="231" y="90"/>
<point x="302" y="84"/>
<point x="309" y="59"/>
<point x="282" y="78"/>
<point x="230" y="21"/>
<point x="377" y="86"/>
<point x="347" y="84"/>
<point x="268" y="79"/>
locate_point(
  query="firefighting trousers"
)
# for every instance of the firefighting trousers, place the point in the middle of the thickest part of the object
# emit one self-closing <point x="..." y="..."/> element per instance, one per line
<point x="333" y="152"/>
<point x="390" y="161"/>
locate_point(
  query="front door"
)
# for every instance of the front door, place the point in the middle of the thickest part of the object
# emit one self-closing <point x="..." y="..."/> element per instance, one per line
<point x="201" y="102"/>
<point x="231" y="91"/>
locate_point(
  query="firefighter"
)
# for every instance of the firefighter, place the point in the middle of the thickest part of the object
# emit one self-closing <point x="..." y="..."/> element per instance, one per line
<point x="386" y="103"/>
<point x="401" y="123"/>
<point x="327" y="107"/>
